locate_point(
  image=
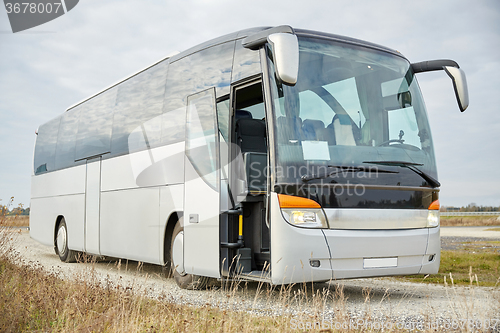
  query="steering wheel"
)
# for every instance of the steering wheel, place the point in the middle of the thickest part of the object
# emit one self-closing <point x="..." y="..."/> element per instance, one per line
<point x="388" y="142"/>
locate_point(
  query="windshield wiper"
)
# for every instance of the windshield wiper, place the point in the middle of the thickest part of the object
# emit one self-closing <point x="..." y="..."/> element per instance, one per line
<point x="342" y="168"/>
<point x="412" y="166"/>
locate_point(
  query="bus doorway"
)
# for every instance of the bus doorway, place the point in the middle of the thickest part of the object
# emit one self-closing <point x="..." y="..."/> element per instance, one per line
<point x="248" y="181"/>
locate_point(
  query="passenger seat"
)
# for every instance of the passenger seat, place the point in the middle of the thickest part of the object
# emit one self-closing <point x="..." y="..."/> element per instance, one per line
<point x="251" y="137"/>
<point x="289" y="130"/>
<point x="344" y="129"/>
<point x="311" y="128"/>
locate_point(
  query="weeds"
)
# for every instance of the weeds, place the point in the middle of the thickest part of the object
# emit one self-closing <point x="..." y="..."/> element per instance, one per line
<point x="483" y="261"/>
<point x="13" y="218"/>
<point x="469" y="221"/>
<point x="34" y="300"/>
<point x="31" y="299"/>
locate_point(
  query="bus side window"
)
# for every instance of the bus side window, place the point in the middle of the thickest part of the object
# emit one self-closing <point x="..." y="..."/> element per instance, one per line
<point x="45" y="149"/>
<point x="139" y="106"/>
<point x="201" y="140"/>
<point x="95" y="124"/>
<point x="197" y="72"/>
<point x="246" y="62"/>
<point x="223" y="118"/>
<point x="66" y="140"/>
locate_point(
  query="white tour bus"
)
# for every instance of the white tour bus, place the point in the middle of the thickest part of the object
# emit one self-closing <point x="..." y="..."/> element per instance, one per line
<point x="308" y="156"/>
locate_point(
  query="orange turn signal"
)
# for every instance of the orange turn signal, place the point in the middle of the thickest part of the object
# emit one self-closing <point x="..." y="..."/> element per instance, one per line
<point x="290" y="201"/>
<point x="434" y="205"/>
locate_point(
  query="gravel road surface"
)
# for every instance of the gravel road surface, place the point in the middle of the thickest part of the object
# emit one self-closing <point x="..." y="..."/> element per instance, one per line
<point x="478" y="232"/>
<point x="378" y="299"/>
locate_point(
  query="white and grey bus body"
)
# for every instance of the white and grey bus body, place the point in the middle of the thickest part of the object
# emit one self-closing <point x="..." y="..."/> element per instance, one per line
<point x="177" y="142"/>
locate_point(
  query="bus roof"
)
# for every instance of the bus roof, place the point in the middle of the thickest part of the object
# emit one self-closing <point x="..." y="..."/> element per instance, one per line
<point x="240" y="35"/>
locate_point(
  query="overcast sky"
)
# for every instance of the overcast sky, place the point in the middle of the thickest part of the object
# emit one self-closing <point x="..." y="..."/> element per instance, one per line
<point x="50" y="67"/>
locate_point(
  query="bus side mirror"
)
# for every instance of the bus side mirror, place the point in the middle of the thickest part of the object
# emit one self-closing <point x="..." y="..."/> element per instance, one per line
<point x="460" y="85"/>
<point x="285" y="48"/>
<point x="454" y="72"/>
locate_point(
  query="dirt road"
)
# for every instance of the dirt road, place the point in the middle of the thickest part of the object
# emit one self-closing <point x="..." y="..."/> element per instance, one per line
<point x="380" y="300"/>
<point x="478" y="232"/>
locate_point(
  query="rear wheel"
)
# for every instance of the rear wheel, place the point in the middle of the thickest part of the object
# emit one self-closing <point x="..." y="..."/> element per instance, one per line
<point x="65" y="254"/>
<point x="183" y="280"/>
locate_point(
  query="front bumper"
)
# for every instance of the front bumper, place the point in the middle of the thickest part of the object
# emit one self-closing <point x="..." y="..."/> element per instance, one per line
<point x="342" y="253"/>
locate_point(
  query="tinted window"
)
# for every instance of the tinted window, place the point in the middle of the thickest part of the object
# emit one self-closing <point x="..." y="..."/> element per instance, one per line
<point x="212" y="68"/>
<point x="65" y="152"/>
<point x="201" y="141"/>
<point x="94" y="127"/>
<point x="45" y="149"/>
<point x="199" y="71"/>
<point x="138" y="108"/>
<point x="178" y="87"/>
<point x="173" y="124"/>
<point x="246" y="62"/>
<point x="223" y="118"/>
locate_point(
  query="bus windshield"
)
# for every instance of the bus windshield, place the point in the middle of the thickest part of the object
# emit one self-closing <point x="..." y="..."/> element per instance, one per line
<point x="353" y="111"/>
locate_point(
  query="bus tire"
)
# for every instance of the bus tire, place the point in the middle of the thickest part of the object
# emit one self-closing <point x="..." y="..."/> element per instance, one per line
<point x="61" y="243"/>
<point x="185" y="281"/>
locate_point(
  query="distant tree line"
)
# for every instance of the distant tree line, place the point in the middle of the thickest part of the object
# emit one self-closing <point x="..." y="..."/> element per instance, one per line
<point x="6" y="210"/>
<point x="472" y="207"/>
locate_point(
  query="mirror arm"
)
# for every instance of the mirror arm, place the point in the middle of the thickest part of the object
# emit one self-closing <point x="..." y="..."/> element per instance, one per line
<point x="456" y="75"/>
<point x="260" y="38"/>
<point x="433" y="65"/>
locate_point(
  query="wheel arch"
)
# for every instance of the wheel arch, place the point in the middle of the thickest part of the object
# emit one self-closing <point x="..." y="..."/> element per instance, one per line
<point x="167" y="235"/>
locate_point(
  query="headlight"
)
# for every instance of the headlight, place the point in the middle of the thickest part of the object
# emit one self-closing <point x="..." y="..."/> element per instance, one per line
<point x="432" y="218"/>
<point x="306" y="218"/>
<point x="433" y="214"/>
<point x="302" y="212"/>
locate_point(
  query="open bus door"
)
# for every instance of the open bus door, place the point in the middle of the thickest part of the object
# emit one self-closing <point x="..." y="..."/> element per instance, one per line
<point x="202" y="187"/>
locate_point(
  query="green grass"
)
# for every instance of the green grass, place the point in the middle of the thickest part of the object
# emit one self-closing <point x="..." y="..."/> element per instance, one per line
<point x="478" y="263"/>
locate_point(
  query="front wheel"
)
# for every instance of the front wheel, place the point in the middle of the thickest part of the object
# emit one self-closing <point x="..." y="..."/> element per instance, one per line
<point x="61" y="246"/>
<point x="183" y="280"/>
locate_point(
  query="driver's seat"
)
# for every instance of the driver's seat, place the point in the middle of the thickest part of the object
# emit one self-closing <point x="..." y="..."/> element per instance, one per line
<point x="344" y="130"/>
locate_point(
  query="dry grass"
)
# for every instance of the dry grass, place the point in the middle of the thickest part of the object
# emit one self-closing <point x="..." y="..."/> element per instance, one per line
<point x="15" y="221"/>
<point x="446" y="221"/>
<point x="469" y="221"/>
<point x="33" y="300"/>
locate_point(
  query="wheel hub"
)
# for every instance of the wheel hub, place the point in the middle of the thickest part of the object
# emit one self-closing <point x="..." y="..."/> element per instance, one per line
<point x="61" y="240"/>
